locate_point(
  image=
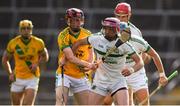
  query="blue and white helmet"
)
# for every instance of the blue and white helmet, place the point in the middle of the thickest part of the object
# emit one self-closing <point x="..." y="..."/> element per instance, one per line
<point x="125" y="31"/>
<point x="124" y="26"/>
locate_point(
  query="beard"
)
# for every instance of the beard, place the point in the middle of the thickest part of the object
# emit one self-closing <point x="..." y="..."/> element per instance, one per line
<point x="110" y="38"/>
<point x="75" y="29"/>
<point x="25" y="37"/>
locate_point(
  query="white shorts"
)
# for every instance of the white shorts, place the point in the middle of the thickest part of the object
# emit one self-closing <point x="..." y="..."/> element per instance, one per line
<point x="21" y="84"/>
<point x="74" y="84"/>
<point x="138" y="80"/>
<point x="105" y="89"/>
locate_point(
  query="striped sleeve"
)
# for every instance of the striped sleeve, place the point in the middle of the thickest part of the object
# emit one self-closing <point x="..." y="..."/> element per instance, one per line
<point x="140" y="44"/>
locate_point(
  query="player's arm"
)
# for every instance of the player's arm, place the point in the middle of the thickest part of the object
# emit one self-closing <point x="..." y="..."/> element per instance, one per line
<point x="138" y="65"/>
<point x="80" y="43"/>
<point x="91" y="55"/>
<point x="5" y="62"/>
<point x="84" y="42"/>
<point x="43" y="56"/>
<point x="68" y="52"/>
<point x="157" y="61"/>
<point x="72" y="58"/>
<point x="136" y="58"/>
<point x="146" y="58"/>
<point x="138" y="62"/>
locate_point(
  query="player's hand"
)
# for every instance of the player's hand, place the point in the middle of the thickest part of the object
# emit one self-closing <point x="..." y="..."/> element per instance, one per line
<point x="163" y="80"/>
<point x="33" y="67"/>
<point x="12" y="77"/>
<point x="62" y="62"/>
<point x="127" y="71"/>
<point x="91" y="66"/>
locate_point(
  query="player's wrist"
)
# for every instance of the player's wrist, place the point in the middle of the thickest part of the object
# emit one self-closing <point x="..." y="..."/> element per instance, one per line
<point x="10" y="74"/>
<point x="162" y="74"/>
<point x="131" y="70"/>
<point x="85" y="64"/>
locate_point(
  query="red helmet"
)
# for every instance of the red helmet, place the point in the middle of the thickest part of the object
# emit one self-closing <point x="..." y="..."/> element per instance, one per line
<point x="122" y="8"/>
<point x="74" y="12"/>
<point x="112" y="22"/>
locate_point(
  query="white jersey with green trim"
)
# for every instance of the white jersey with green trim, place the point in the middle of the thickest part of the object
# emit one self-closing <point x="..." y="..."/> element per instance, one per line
<point x="111" y="68"/>
<point x="137" y="80"/>
<point x="134" y="30"/>
<point x="140" y="46"/>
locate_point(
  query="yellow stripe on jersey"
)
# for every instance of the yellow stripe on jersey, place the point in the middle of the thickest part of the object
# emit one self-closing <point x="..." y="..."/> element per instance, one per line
<point x="65" y="39"/>
<point x="25" y="55"/>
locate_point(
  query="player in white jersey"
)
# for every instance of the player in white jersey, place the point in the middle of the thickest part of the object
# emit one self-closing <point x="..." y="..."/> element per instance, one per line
<point x="109" y="76"/>
<point x="122" y="11"/>
<point x="138" y="81"/>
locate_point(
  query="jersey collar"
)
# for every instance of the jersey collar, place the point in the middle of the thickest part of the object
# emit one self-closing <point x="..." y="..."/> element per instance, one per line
<point x="74" y="35"/>
<point x="24" y="41"/>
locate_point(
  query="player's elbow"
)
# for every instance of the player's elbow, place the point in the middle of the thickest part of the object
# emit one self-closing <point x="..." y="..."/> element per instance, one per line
<point x="4" y="58"/>
<point x="46" y="58"/>
<point x="4" y="61"/>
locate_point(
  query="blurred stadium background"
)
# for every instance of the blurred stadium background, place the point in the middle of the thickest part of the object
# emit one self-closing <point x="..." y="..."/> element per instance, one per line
<point x="159" y="21"/>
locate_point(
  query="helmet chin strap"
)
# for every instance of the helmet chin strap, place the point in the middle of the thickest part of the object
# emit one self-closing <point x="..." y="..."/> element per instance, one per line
<point x="82" y="24"/>
<point x="102" y="31"/>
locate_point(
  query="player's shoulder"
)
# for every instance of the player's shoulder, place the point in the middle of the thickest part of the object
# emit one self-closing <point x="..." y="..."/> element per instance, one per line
<point x="132" y="25"/>
<point x="96" y="38"/>
<point x="86" y="31"/>
<point x="138" y="39"/>
<point x="37" y="39"/>
<point x="134" y="28"/>
<point x="15" y="40"/>
<point x="97" y="34"/>
<point x="64" y="32"/>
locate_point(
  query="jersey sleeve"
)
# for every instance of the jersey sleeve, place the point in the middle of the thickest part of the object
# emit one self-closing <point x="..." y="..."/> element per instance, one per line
<point x="135" y="30"/>
<point x="92" y="40"/>
<point x="63" y="41"/>
<point x="139" y="44"/>
<point x="146" y="46"/>
<point x="128" y="49"/>
<point x="89" y="34"/>
<point x="42" y="45"/>
<point x="10" y="47"/>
